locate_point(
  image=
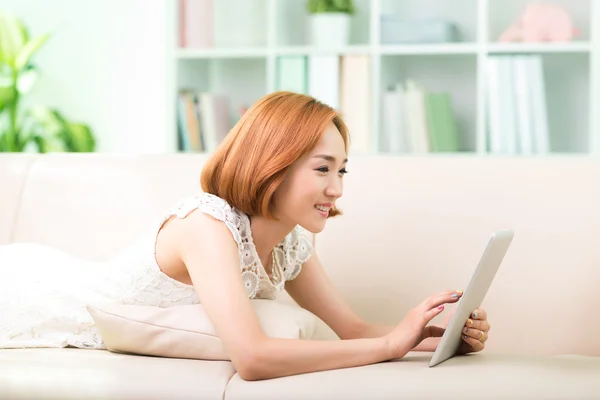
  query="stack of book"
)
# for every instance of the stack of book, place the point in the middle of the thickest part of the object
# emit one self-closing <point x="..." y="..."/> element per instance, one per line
<point x="516" y="105"/>
<point x="342" y="82"/>
<point x="203" y="120"/>
<point x="415" y="120"/>
<point x="209" y="23"/>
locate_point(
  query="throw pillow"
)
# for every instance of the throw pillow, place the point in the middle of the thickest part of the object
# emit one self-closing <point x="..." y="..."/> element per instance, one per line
<point x="186" y="331"/>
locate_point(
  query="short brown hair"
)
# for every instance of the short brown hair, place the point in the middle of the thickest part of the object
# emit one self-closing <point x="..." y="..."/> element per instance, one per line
<point x="251" y="162"/>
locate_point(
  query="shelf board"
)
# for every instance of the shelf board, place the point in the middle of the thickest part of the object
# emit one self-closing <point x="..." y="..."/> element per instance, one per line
<point x="214" y="53"/>
<point x="570" y="47"/>
<point x="311" y="50"/>
<point x="429" y="49"/>
<point x="403" y="49"/>
<point x="227" y="52"/>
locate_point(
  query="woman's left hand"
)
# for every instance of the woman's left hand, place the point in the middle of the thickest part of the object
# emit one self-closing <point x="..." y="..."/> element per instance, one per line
<point x="475" y="332"/>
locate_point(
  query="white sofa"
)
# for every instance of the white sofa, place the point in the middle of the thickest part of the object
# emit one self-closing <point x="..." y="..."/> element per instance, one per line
<point x="413" y="226"/>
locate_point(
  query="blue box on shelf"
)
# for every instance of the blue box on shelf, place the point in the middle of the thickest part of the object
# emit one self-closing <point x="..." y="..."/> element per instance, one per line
<point x="398" y="30"/>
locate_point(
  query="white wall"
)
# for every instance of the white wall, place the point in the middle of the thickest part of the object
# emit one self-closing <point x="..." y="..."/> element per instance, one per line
<point x="105" y="64"/>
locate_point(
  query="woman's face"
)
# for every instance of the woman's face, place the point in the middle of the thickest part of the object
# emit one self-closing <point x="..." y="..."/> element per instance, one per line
<point x="313" y="184"/>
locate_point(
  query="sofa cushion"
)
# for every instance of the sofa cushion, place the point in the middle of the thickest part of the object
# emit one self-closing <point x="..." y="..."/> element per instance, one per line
<point x="13" y="175"/>
<point x="187" y="332"/>
<point x="98" y="374"/>
<point x="477" y="376"/>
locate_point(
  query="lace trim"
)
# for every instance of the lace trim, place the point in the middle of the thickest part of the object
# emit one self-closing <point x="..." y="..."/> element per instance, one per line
<point x="288" y="256"/>
<point x="296" y="249"/>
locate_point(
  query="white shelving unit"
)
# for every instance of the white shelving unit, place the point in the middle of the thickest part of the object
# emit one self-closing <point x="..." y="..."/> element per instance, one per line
<point x="247" y="72"/>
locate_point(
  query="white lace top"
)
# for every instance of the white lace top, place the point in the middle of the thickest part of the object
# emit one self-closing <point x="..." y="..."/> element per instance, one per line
<point x="44" y="291"/>
<point x="289" y="255"/>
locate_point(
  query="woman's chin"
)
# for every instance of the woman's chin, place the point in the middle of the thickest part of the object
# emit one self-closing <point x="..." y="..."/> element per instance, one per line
<point x="314" y="227"/>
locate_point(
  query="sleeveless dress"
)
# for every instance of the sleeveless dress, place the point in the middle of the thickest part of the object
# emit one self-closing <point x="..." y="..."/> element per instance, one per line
<point x="44" y="291"/>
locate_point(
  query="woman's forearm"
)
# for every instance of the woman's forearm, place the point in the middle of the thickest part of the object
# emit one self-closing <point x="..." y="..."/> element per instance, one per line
<point x="428" y="344"/>
<point x="376" y="331"/>
<point x="274" y="358"/>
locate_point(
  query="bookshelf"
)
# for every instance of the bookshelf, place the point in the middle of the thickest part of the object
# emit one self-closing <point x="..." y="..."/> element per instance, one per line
<point x="244" y="67"/>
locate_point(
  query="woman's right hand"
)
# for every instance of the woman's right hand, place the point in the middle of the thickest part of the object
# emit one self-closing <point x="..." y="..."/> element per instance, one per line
<point x="413" y="328"/>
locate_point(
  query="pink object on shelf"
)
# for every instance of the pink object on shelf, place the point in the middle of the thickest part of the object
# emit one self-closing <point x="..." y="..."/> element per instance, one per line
<point x="541" y="22"/>
<point x="196" y="23"/>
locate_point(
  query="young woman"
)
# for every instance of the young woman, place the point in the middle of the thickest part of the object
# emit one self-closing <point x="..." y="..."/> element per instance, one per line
<point x="276" y="175"/>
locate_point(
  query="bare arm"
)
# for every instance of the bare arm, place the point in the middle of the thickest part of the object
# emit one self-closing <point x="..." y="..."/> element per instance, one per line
<point x="375" y="331"/>
<point x="210" y="254"/>
<point x="313" y="291"/>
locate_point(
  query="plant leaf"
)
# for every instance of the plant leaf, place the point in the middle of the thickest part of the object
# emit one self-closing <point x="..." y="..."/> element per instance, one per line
<point x="76" y="137"/>
<point x="48" y="145"/>
<point x="43" y="122"/>
<point x="26" y="79"/>
<point x="6" y="75"/>
<point x="29" y="50"/>
<point x="3" y="145"/>
<point x="7" y="95"/>
<point x="12" y="38"/>
<point x="40" y="143"/>
<point x="24" y="32"/>
<point x="82" y="139"/>
<point x="43" y="129"/>
<point x="58" y="134"/>
<point x="326" y="6"/>
<point x="7" y="91"/>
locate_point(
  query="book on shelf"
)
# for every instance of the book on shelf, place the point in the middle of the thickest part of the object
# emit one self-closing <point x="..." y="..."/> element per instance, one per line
<point x="355" y="100"/>
<point x="203" y="120"/>
<point x="221" y="23"/>
<point x="292" y="73"/>
<point x="415" y="120"/>
<point x="516" y="105"/>
<point x="196" y="24"/>
<point x="188" y="124"/>
<point x="442" y="129"/>
<point x="324" y="79"/>
<point x="342" y="82"/>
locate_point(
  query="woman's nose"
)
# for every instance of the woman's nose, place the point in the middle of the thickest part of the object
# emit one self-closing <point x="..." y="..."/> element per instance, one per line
<point x="334" y="189"/>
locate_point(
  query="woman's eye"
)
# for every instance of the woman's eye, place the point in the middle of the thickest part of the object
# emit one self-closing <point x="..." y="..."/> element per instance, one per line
<point x="326" y="169"/>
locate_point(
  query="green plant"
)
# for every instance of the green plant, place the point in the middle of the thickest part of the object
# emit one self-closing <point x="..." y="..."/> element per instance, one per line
<point x="330" y="6"/>
<point x="44" y="128"/>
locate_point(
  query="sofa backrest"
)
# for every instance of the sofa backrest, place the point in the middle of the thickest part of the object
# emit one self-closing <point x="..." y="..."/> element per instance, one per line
<point x="412" y="227"/>
<point x="415" y="226"/>
<point x="93" y="205"/>
<point x="13" y="175"/>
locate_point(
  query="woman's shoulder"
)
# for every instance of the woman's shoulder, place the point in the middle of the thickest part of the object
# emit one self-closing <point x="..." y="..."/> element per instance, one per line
<point x="205" y="201"/>
<point x="209" y="205"/>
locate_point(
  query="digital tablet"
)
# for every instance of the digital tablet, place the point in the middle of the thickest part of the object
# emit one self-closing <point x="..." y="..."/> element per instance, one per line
<point x="473" y="295"/>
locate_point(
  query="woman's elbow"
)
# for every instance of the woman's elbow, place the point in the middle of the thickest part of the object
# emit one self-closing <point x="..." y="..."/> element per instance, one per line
<point x="251" y="365"/>
<point x="249" y="372"/>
